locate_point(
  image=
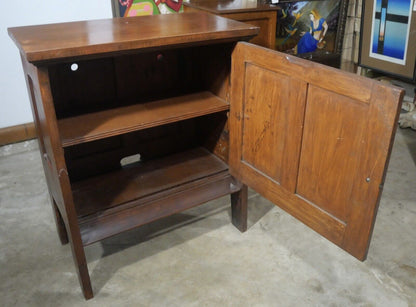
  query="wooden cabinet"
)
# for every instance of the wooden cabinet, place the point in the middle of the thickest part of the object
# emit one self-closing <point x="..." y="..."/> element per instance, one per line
<point x="258" y="13"/>
<point x="144" y="117"/>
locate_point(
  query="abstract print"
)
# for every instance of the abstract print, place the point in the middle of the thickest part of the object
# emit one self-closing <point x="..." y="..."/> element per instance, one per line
<point x="390" y="30"/>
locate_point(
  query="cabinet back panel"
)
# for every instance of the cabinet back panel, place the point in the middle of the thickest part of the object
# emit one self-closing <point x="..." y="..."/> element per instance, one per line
<point x="155" y="75"/>
<point x="102" y="156"/>
<point x="102" y="84"/>
<point x="89" y="88"/>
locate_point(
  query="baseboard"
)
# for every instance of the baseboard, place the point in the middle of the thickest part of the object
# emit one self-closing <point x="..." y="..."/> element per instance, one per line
<point x="17" y="133"/>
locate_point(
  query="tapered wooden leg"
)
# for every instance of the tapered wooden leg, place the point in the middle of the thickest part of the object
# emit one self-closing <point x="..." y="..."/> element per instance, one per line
<point x="60" y="225"/>
<point x="239" y="209"/>
<point x="84" y="280"/>
<point x="83" y="275"/>
<point x="81" y="265"/>
<point x="74" y="238"/>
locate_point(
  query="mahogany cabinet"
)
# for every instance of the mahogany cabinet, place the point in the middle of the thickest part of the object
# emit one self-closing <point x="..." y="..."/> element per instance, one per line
<point x="144" y="117"/>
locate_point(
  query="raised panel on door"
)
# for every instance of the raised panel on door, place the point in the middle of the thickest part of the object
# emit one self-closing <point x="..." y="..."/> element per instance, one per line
<point x="312" y="139"/>
<point x="264" y="138"/>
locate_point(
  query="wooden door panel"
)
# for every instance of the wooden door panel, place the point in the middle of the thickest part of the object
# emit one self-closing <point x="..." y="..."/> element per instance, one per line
<point x="266" y="121"/>
<point x="331" y="149"/>
<point x="312" y="139"/>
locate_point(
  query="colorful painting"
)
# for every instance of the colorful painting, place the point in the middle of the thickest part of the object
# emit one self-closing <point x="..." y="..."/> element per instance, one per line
<point x="141" y="8"/>
<point x="304" y="26"/>
<point x="390" y="30"/>
<point x="129" y="8"/>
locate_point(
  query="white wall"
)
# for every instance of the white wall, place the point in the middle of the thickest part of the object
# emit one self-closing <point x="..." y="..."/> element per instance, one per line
<point x="14" y="101"/>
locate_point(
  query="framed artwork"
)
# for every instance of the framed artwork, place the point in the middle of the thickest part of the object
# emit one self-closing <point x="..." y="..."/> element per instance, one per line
<point x="388" y="37"/>
<point x="129" y="8"/>
<point x="304" y="26"/>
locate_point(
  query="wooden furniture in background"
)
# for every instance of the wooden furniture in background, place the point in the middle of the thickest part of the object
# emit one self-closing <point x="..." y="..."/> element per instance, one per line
<point x="255" y="12"/>
<point x="313" y="139"/>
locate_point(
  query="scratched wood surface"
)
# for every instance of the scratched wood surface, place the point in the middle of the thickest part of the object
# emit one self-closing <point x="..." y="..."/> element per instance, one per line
<point x="312" y="139"/>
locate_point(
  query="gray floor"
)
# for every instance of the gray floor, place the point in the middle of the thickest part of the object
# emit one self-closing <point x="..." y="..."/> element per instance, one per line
<point x="199" y="259"/>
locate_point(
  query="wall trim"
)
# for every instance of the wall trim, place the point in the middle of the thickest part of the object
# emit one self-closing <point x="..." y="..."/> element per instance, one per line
<point x="17" y="133"/>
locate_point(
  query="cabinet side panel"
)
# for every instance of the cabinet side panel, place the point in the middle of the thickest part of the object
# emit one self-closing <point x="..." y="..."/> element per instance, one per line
<point x="55" y="167"/>
<point x="42" y="123"/>
<point x="214" y="71"/>
<point x="213" y="134"/>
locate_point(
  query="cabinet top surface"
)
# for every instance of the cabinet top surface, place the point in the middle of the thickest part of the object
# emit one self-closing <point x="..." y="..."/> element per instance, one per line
<point x="231" y="6"/>
<point x="111" y="36"/>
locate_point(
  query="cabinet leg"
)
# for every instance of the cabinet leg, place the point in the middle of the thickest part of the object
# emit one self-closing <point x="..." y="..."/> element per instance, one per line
<point x="60" y="225"/>
<point x="81" y="266"/>
<point x="78" y="254"/>
<point x="239" y="209"/>
<point x="85" y="281"/>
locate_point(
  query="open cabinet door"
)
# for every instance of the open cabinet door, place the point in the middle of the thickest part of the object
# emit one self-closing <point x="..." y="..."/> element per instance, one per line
<point x="312" y="139"/>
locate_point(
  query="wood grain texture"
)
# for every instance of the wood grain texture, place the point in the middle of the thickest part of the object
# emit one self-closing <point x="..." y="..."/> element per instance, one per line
<point x="97" y="194"/>
<point x="346" y="127"/>
<point x="103" y="156"/>
<point x="94" y="126"/>
<point x="272" y="128"/>
<point x="76" y="103"/>
<point x="121" y="35"/>
<point x="111" y="203"/>
<point x="266" y="21"/>
<point x="38" y="84"/>
<point x="332" y="129"/>
<point x="366" y="192"/>
<point x="155" y="206"/>
<point x="257" y="13"/>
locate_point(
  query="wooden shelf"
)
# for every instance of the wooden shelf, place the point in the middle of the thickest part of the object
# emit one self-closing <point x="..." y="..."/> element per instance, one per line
<point x="94" y="126"/>
<point x="133" y="196"/>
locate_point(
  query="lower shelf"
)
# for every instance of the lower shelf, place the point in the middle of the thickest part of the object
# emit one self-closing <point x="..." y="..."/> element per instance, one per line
<point x="112" y="203"/>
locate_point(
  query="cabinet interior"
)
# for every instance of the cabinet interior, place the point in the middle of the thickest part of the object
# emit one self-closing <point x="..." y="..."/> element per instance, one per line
<point x="143" y="124"/>
<point x="98" y="84"/>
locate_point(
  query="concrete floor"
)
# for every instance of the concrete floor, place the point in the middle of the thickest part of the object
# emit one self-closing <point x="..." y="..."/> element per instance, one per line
<point x="198" y="258"/>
